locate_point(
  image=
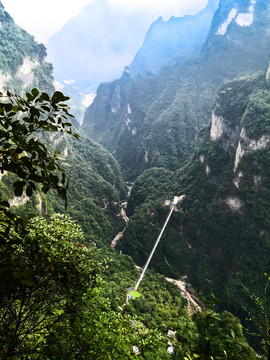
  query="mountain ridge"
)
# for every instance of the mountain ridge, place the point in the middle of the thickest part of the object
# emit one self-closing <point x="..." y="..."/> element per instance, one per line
<point x="220" y="236"/>
<point x="177" y="100"/>
<point x="173" y="40"/>
<point x="23" y="63"/>
<point x="105" y="36"/>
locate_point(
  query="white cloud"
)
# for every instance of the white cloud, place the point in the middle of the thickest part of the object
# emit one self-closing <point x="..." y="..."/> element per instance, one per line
<point x="165" y="8"/>
<point x="44" y="18"/>
<point x="181" y="7"/>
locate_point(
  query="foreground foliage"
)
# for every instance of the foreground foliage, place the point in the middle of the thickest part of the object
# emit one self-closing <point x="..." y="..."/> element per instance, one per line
<point x="54" y="303"/>
<point x="22" y="153"/>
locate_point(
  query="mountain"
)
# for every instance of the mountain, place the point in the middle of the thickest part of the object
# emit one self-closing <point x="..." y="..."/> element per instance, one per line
<point x="176" y="39"/>
<point x="106" y="37"/>
<point x="183" y="137"/>
<point x="239" y="27"/>
<point x="96" y="181"/>
<point x="54" y="300"/>
<point x="220" y="237"/>
<point x="23" y="62"/>
<point x="96" y="188"/>
<point x="153" y="121"/>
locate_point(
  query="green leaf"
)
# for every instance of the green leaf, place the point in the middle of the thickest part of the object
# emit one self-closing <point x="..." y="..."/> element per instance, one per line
<point x="45" y="107"/>
<point x="29" y="191"/>
<point x="45" y="188"/>
<point x="18" y="185"/>
<point x="5" y="204"/>
<point x="16" y="108"/>
<point x="59" y="96"/>
<point x="29" y="97"/>
<point x="35" y="92"/>
<point x="28" y="282"/>
<point x="44" y="97"/>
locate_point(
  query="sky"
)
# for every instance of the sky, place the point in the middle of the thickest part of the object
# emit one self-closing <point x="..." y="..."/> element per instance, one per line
<point x="42" y="19"/>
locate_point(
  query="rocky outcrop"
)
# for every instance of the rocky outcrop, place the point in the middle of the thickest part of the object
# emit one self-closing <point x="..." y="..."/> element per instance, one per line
<point x="217" y="127"/>
<point x="248" y="145"/>
<point x="19" y="201"/>
<point x="23" y="62"/>
<point x="240" y="18"/>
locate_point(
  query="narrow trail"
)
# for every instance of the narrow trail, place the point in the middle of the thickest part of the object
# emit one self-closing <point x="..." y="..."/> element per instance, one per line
<point x="124" y="217"/>
<point x="193" y="302"/>
<point x="117" y="237"/>
<point x="121" y="233"/>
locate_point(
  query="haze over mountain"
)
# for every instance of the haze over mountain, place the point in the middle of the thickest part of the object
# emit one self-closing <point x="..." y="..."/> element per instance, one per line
<point x="154" y="120"/>
<point x="39" y="20"/>
<point x="106" y="38"/>
<point x="173" y="40"/>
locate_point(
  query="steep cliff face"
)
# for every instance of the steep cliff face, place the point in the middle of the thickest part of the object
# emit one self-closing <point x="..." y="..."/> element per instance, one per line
<point x="174" y="40"/>
<point x="167" y="110"/>
<point x="239" y="27"/>
<point x="22" y="61"/>
<point x="220" y="237"/>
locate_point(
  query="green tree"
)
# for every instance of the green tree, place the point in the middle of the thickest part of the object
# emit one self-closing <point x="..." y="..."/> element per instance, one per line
<point x="221" y="336"/>
<point x="52" y="302"/>
<point x="45" y="274"/>
<point x="258" y="317"/>
<point x="23" y="122"/>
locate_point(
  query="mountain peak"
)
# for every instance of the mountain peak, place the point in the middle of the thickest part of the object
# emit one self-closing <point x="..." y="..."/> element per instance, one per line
<point x="238" y="13"/>
<point x="173" y="40"/>
<point x="239" y="26"/>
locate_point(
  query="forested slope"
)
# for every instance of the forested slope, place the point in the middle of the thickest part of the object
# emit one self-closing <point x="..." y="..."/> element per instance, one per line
<point x="96" y="183"/>
<point x="22" y="61"/>
<point x="154" y="120"/>
<point x="220" y="237"/>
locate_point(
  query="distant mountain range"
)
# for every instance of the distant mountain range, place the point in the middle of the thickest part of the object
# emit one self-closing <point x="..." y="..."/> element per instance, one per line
<point x="174" y="40"/>
<point x="107" y="40"/>
<point x="154" y="120"/>
<point x="98" y="43"/>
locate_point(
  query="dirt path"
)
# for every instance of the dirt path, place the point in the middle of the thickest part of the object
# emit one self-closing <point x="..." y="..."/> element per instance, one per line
<point x="124" y="217"/>
<point x="193" y="302"/>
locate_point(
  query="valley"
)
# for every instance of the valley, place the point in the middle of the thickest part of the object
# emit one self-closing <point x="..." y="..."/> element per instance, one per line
<point x="82" y="195"/>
